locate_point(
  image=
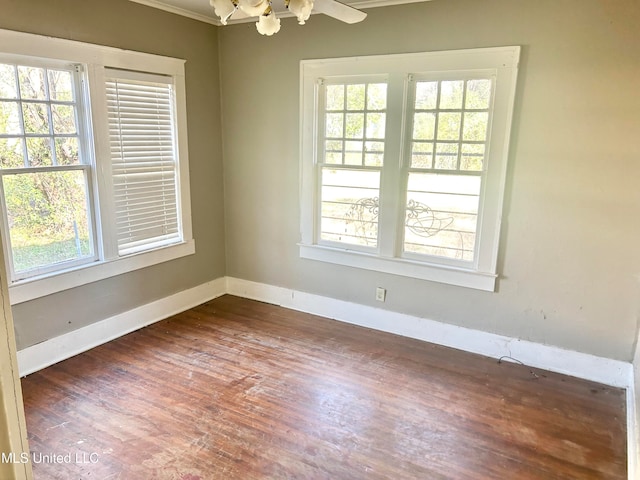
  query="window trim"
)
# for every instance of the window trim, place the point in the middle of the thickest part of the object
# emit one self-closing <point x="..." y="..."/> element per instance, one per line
<point x="503" y="62"/>
<point x="96" y="58"/>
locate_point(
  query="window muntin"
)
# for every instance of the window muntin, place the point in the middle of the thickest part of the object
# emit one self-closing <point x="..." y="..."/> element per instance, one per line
<point x="46" y="174"/>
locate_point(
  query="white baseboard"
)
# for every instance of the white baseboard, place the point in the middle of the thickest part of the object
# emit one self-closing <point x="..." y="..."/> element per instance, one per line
<point x="590" y="367"/>
<point x="41" y="355"/>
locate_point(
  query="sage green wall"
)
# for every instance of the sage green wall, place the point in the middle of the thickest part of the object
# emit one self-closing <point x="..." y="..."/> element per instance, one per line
<point x="128" y="25"/>
<point x="569" y="262"/>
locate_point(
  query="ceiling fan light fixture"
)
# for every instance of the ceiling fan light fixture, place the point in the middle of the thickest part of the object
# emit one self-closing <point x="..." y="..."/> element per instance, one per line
<point x="301" y="9"/>
<point x="254" y="8"/>
<point x="223" y="9"/>
<point x="268" y="24"/>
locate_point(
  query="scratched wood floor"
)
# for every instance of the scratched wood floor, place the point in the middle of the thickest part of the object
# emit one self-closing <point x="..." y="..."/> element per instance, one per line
<point x="237" y="389"/>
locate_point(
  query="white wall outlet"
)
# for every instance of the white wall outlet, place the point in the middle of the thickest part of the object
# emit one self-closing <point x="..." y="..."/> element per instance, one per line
<point x="381" y="294"/>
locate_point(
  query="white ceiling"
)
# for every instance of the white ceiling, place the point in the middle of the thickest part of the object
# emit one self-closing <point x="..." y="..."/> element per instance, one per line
<point x="201" y="10"/>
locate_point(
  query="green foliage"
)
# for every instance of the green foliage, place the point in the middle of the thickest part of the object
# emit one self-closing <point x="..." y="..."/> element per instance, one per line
<point x="46" y="210"/>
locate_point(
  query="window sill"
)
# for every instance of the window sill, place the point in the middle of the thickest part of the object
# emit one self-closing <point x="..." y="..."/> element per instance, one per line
<point x="400" y="266"/>
<point x="37" y="287"/>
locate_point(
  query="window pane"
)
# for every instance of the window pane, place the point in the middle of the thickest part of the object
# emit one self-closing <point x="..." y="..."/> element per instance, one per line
<point x="333" y="151"/>
<point x="48" y="219"/>
<point x="422" y="155"/>
<point x="350" y="206"/>
<point x="426" y="95"/>
<point x="10" y="118"/>
<point x="377" y="96"/>
<point x="60" y="85"/>
<point x="334" y="125"/>
<point x="354" y="125"/>
<point x="478" y="94"/>
<point x="355" y="97"/>
<point x="67" y="151"/>
<point x="32" y="85"/>
<point x="472" y="157"/>
<point x="446" y="156"/>
<point x="442" y="215"/>
<point x="39" y="152"/>
<point x="335" y="97"/>
<point x="449" y="126"/>
<point x="7" y="81"/>
<point x="475" y="126"/>
<point x="424" y="125"/>
<point x="64" y="118"/>
<point x="353" y="153"/>
<point x="375" y="125"/>
<point x="451" y="94"/>
<point x="11" y="153"/>
<point x="374" y="154"/>
<point x="36" y="118"/>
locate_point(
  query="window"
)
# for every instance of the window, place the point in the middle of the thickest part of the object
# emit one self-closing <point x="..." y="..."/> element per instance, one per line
<point x="45" y="171"/>
<point x="93" y="162"/>
<point x="403" y="162"/>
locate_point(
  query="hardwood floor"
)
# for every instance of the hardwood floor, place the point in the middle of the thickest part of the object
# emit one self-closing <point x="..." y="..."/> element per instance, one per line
<point x="237" y="389"/>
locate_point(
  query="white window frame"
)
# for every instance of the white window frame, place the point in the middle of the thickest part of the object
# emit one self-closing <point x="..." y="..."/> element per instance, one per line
<point x="502" y="64"/>
<point x="95" y="58"/>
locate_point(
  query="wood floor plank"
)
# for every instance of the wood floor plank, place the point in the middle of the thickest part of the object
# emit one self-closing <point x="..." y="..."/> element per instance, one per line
<point x="237" y="389"/>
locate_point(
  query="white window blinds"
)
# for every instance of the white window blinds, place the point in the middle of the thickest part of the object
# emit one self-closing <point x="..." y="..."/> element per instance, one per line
<point x="143" y="160"/>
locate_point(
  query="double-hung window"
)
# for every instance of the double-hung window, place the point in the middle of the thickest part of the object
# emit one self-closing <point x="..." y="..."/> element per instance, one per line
<point x="404" y="161"/>
<point x="93" y="162"/>
<point x="45" y="168"/>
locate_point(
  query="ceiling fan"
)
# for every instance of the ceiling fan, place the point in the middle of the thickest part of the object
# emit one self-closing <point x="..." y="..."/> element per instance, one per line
<point x="268" y="23"/>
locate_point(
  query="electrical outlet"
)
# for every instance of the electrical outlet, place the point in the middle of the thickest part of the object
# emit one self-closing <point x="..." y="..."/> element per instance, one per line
<point x="381" y="294"/>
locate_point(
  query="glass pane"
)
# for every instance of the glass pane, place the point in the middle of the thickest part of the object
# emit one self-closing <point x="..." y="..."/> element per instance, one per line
<point x="64" y="118"/>
<point x="349" y="209"/>
<point x="10" y="118"/>
<point x="335" y="97"/>
<point x="36" y="117"/>
<point x="449" y="126"/>
<point x="32" y="84"/>
<point x="375" y="125"/>
<point x="354" y="125"/>
<point x="446" y="156"/>
<point x="333" y="151"/>
<point x="441" y="216"/>
<point x="11" y="153"/>
<point x="478" y="94"/>
<point x="39" y="152"/>
<point x="60" y="85"/>
<point x="426" y="95"/>
<point x="451" y="94"/>
<point x="422" y="155"/>
<point x="472" y="157"/>
<point x="377" y="96"/>
<point x="334" y="125"/>
<point x="8" y="81"/>
<point x="353" y="153"/>
<point x="374" y="154"/>
<point x="424" y="125"/>
<point x="355" y="97"/>
<point x="48" y="219"/>
<point x="67" y="151"/>
<point x="475" y="126"/>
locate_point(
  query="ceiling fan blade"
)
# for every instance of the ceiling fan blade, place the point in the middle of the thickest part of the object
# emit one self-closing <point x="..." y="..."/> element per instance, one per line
<point x="338" y="10"/>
